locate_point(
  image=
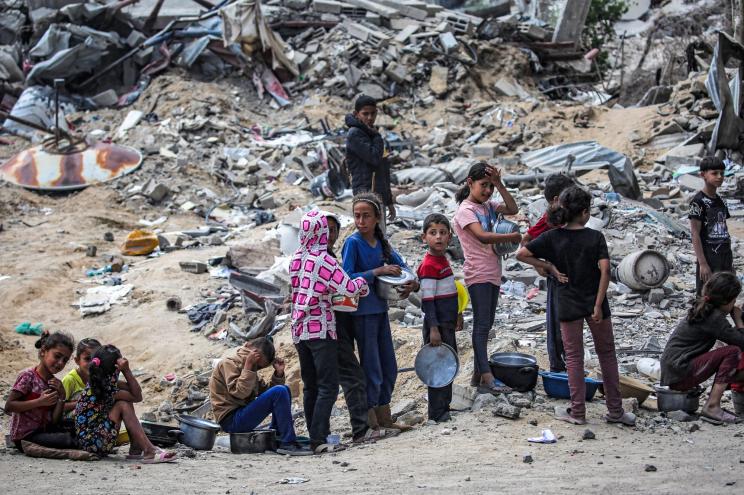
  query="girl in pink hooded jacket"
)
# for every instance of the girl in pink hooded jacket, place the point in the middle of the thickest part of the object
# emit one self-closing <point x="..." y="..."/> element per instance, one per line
<point x="315" y="277"/>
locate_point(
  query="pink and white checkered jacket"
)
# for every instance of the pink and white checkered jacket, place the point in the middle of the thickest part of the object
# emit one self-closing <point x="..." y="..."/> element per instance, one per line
<point x="315" y="276"/>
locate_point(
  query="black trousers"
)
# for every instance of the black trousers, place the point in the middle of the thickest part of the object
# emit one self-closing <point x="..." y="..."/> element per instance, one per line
<point x="440" y="398"/>
<point x="351" y="376"/>
<point x="719" y="258"/>
<point x="319" y="371"/>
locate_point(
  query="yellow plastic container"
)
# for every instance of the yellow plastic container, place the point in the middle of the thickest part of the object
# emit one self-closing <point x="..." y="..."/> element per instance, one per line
<point x="123" y="437"/>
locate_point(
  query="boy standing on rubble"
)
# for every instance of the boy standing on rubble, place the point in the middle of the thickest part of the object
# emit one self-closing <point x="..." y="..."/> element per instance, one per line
<point x="708" y="213"/>
<point x="366" y="155"/>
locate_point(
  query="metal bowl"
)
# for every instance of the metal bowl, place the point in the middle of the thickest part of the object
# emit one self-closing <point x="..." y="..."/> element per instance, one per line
<point x="671" y="400"/>
<point x="437" y="366"/>
<point x="389" y="287"/>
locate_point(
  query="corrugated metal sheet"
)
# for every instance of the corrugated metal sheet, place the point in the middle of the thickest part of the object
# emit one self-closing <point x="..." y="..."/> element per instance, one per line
<point x="44" y="169"/>
<point x="554" y="159"/>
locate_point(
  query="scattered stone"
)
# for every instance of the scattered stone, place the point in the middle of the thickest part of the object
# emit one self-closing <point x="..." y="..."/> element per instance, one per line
<point x="193" y="266"/>
<point x="483" y="401"/>
<point x="650" y="468"/>
<point x="411" y="418"/>
<point x="402" y="407"/>
<point x="108" y="236"/>
<point x="91" y="251"/>
<point x="588" y="435"/>
<point x="527" y="459"/>
<point x="506" y="410"/>
<point x="173" y="303"/>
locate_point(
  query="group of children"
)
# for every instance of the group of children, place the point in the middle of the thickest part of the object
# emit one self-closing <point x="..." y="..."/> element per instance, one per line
<point x="85" y="410"/>
<point x="574" y="258"/>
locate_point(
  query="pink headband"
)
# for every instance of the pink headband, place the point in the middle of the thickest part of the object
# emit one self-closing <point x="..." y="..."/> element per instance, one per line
<point x="96" y="361"/>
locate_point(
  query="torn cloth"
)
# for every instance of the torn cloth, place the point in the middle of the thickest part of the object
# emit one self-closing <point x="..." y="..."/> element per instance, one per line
<point x="243" y="23"/>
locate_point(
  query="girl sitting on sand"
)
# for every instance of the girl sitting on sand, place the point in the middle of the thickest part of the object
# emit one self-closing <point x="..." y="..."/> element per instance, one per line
<point x="104" y="404"/>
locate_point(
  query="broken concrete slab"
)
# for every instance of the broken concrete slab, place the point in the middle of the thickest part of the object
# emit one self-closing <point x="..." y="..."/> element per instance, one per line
<point x="449" y="42"/>
<point x="438" y="80"/>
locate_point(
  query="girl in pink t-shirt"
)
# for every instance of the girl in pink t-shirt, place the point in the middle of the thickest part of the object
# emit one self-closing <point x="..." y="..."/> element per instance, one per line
<point x="482" y="266"/>
<point x="37" y="398"/>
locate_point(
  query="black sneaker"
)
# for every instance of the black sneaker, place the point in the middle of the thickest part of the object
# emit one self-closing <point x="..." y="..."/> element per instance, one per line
<point x="294" y="449"/>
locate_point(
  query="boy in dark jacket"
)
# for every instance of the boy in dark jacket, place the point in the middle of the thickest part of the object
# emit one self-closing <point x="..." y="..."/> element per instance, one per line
<point x="365" y="153"/>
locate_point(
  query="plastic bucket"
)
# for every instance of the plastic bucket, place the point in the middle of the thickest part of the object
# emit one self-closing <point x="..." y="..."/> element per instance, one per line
<point x="643" y="270"/>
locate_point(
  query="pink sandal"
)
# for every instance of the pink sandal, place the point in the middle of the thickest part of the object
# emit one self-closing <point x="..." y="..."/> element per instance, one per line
<point x="160" y="457"/>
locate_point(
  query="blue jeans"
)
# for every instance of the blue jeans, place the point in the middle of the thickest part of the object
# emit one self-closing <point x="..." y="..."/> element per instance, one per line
<point x="275" y="401"/>
<point x="556" y="354"/>
<point x="484" y="298"/>
<point x="372" y="333"/>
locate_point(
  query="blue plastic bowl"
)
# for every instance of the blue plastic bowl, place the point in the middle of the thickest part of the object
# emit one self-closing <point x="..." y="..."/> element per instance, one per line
<point x="556" y="385"/>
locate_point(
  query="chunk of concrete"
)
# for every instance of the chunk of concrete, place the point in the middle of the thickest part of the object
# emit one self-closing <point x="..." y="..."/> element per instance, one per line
<point x="448" y="41"/>
<point x="438" y="80"/>
<point x="485" y="150"/>
<point x="397" y="72"/>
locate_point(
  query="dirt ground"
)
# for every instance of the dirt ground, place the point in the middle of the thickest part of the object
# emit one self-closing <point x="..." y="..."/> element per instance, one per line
<point x="472" y="454"/>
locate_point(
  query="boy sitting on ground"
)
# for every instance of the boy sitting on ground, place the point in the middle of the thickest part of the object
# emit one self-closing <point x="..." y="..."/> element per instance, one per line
<point x="241" y="400"/>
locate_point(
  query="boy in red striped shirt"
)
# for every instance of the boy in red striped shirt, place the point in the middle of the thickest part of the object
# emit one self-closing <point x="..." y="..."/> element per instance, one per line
<point x="439" y="303"/>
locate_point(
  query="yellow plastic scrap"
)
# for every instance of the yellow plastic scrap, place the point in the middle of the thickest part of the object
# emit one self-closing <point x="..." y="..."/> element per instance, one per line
<point x="462" y="297"/>
<point x="139" y="243"/>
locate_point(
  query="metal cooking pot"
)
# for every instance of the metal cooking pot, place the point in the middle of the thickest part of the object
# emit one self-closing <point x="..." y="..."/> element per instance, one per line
<point x="197" y="433"/>
<point x="672" y="400"/>
<point x="390" y="287"/>
<point x="159" y="434"/>
<point x="253" y="442"/>
<point x="519" y="371"/>
<point x="504" y="226"/>
<point x="437" y="366"/>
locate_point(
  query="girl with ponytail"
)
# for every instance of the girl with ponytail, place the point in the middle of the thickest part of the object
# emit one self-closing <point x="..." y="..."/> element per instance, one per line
<point x="106" y="403"/>
<point x="473" y="222"/>
<point x="369" y="255"/>
<point x="688" y="361"/>
<point x="36" y="401"/>
<point x="578" y="259"/>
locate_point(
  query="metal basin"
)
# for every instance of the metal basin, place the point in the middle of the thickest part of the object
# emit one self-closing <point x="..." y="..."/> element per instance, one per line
<point x="437" y="366"/>
<point x="389" y="287"/>
<point x="197" y="433"/>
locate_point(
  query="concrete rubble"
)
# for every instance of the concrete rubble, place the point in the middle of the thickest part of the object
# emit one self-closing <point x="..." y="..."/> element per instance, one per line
<point x="244" y="163"/>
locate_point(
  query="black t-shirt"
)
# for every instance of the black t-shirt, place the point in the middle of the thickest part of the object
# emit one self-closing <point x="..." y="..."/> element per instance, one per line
<point x="712" y="213"/>
<point x="576" y="254"/>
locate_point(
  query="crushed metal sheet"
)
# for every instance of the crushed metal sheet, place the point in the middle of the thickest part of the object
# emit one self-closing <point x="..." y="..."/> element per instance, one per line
<point x="42" y="168"/>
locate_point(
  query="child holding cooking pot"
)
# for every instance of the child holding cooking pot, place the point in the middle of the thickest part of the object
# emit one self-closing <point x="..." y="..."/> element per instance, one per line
<point x="475" y="215"/>
<point x="315" y="276"/>
<point x="578" y="258"/>
<point x="439" y="302"/>
<point x="368" y="254"/>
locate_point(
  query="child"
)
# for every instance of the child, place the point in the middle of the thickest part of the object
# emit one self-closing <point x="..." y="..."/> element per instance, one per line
<point x="439" y="302"/>
<point x="315" y="276"/>
<point x="103" y="406"/>
<point x="367" y="254"/>
<point x="75" y="381"/>
<point x="241" y="400"/>
<point x="578" y="258"/>
<point x="365" y="154"/>
<point x="688" y="360"/>
<point x="555" y="184"/>
<point x="36" y="401"/>
<point x="350" y="373"/>
<point x="708" y="213"/>
<point x="473" y="220"/>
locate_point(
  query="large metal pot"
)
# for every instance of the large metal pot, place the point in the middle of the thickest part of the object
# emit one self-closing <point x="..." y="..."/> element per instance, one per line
<point x="253" y="442"/>
<point x="390" y="287"/>
<point x="159" y="434"/>
<point x="197" y="433"/>
<point x="504" y="226"/>
<point x="519" y="371"/>
<point x="672" y="400"/>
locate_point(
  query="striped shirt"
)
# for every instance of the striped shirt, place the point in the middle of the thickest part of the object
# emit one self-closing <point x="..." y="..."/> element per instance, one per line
<point x="438" y="290"/>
